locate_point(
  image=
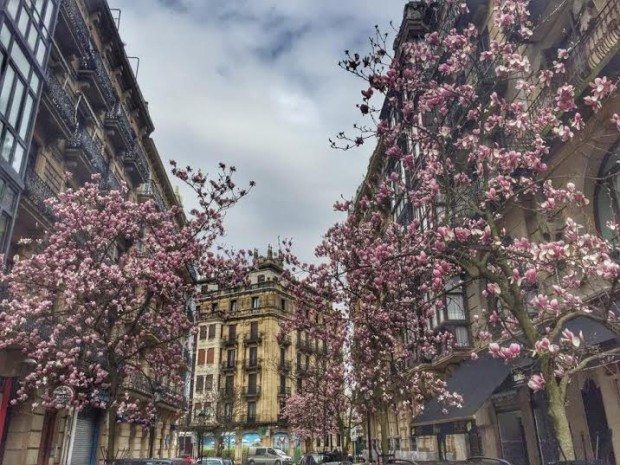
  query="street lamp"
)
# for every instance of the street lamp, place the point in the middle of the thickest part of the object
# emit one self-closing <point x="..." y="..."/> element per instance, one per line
<point x="202" y="417"/>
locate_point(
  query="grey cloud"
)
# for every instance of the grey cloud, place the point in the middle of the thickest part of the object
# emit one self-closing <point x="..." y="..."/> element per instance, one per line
<point x="255" y="84"/>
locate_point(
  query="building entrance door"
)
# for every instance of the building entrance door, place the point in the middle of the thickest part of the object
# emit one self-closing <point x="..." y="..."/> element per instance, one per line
<point x="600" y="434"/>
<point x="512" y="437"/>
<point x="85" y="438"/>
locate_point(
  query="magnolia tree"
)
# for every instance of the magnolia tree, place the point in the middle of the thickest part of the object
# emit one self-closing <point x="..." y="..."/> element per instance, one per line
<point x="100" y="303"/>
<point x="468" y="127"/>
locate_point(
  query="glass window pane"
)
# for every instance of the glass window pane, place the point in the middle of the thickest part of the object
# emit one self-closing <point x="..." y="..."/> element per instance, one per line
<point x="33" y="35"/>
<point x="38" y="6"/>
<point x="455" y="306"/>
<point x="18" y="157"/>
<point x="8" y="200"/>
<point x="4" y="223"/>
<point x="16" y="103"/>
<point x="7" y="145"/>
<point x="41" y="52"/>
<point x="5" y="93"/>
<point x="5" y="36"/>
<point x="26" y="114"/>
<point x="12" y="7"/>
<point x="24" y="19"/>
<point x="48" y="14"/>
<point x="34" y="82"/>
<point x="21" y="62"/>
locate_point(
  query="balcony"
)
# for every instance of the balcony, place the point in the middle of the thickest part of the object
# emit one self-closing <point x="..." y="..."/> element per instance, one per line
<point x="92" y="71"/>
<point x="38" y="191"/>
<point x="142" y="384"/>
<point x="136" y="164"/>
<point x="230" y="341"/>
<point x="303" y="345"/>
<point x="588" y="55"/>
<point x="117" y="123"/>
<point x="229" y="366"/>
<point x="284" y="367"/>
<point x="252" y="339"/>
<point x="76" y="25"/>
<point x="227" y="393"/>
<point x="252" y="365"/>
<point x="61" y="102"/>
<point x="112" y="182"/>
<point x="252" y="420"/>
<point x="150" y="190"/>
<point x="284" y="391"/>
<point x="87" y="151"/>
<point x="251" y="392"/>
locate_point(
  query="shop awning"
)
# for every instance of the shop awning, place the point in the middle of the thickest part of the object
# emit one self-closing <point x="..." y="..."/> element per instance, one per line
<point x="475" y="380"/>
<point x="594" y="333"/>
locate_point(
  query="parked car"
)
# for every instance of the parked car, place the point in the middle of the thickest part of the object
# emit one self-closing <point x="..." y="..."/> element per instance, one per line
<point x="267" y="456"/>
<point x="214" y="461"/>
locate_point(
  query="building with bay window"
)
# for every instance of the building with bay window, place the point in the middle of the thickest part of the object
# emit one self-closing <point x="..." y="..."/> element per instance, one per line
<point x="70" y="102"/>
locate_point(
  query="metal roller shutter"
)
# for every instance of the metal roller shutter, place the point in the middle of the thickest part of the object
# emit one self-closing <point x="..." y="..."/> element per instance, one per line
<point x="84" y="439"/>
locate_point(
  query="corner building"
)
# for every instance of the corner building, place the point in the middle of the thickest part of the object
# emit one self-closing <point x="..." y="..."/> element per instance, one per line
<point x="69" y="101"/>
<point x="245" y="369"/>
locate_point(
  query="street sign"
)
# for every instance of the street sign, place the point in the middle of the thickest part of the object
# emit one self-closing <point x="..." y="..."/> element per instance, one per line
<point x="63" y="395"/>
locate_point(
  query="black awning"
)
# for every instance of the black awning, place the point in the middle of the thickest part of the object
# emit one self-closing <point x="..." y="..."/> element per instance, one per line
<point x="475" y="381"/>
<point x="594" y="333"/>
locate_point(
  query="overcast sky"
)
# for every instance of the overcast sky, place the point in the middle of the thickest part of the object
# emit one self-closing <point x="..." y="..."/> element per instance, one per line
<point x="255" y="83"/>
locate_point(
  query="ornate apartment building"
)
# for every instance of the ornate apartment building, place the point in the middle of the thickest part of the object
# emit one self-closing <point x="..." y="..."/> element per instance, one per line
<point x="504" y="418"/>
<point x="69" y="101"/>
<point x="245" y="368"/>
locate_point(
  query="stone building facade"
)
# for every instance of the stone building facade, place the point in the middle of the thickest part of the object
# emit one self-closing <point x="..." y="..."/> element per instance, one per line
<point x="505" y="419"/>
<point x="69" y="102"/>
<point x="245" y="367"/>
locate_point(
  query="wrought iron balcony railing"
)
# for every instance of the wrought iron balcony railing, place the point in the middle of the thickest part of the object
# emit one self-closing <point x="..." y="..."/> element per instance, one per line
<point x="38" y="191"/>
<point x="79" y="29"/>
<point x="117" y="120"/>
<point x="251" y="391"/>
<point x="252" y="364"/>
<point x="150" y="189"/>
<point x="227" y="392"/>
<point x="135" y="161"/>
<point x="92" y="67"/>
<point x="228" y="366"/>
<point x="230" y="341"/>
<point x="61" y="100"/>
<point x="255" y="338"/>
<point x="91" y="148"/>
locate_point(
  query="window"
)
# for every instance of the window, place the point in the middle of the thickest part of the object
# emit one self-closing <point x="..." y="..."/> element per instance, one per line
<point x="200" y="383"/>
<point x="232" y="332"/>
<point x="214" y="307"/>
<point x="210" y="356"/>
<point x="33" y="21"/>
<point x="252" y="383"/>
<point x="203" y="333"/>
<point x="255" y="303"/>
<point x="254" y="329"/>
<point x="261" y="278"/>
<point x="201" y="356"/>
<point x="282" y="304"/>
<point x="230" y="357"/>
<point x="253" y="356"/>
<point x="455" y="304"/>
<point x="461" y="336"/>
<point x="251" y="411"/>
<point x="233" y="305"/>
<point x="212" y="331"/>
<point x="282" y="355"/>
<point x="209" y="382"/>
<point x="228" y="409"/>
<point x="607" y="195"/>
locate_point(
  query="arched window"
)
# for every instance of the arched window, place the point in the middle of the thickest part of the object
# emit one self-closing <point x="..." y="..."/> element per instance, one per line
<point x="607" y="195"/>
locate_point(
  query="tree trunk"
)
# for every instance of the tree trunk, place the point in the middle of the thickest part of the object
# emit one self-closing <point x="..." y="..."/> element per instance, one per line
<point x="111" y="446"/>
<point x="385" y="429"/>
<point x="557" y="412"/>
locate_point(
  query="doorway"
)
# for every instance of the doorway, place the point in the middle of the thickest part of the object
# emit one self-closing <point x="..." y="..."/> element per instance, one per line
<point x="598" y="428"/>
<point x="512" y="437"/>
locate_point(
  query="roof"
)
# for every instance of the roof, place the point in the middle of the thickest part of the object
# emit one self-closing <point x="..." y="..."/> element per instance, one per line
<point x="466" y="381"/>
